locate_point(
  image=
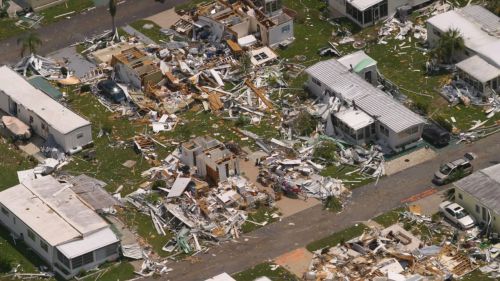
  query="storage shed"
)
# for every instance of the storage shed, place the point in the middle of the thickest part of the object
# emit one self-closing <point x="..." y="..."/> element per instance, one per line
<point x="46" y="117"/>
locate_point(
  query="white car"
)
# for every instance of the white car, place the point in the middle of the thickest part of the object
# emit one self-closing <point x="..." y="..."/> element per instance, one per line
<point x="457" y="214"/>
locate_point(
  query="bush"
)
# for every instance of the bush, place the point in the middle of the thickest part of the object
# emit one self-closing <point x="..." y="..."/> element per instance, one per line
<point x="304" y="124"/>
<point x="326" y="150"/>
<point x="441" y="121"/>
<point x="242" y="121"/>
<point x="5" y="264"/>
<point x="422" y="107"/>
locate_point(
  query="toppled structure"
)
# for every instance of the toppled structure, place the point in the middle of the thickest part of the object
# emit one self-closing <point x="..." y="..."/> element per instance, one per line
<point x="211" y="159"/>
<point x="389" y="254"/>
<point x="242" y="22"/>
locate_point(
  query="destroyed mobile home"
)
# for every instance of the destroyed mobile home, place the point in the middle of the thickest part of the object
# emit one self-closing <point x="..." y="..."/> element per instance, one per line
<point x="437" y="251"/>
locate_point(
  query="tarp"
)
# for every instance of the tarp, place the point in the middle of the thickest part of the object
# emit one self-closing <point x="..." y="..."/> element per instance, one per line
<point x="16" y="126"/>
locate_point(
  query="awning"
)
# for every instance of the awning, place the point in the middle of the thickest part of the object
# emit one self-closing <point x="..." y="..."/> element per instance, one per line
<point x="100" y="239"/>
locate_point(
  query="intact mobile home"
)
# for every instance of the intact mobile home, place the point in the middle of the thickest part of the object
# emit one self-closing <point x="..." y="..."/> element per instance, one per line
<point x="46" y="117"/>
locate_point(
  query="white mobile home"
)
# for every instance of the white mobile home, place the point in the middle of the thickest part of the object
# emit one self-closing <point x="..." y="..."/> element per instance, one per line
<point x="479" y="63"/>
<point x="367" y="12"/>
<point x="44" y="115"/>
<point x="479" y="194"/>
<point x="53" y="221"/>
<point x="367" y="112"/>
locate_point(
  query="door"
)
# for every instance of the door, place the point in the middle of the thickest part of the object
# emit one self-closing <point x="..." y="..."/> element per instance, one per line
<point x="12" y="107"/>
<point x="376" y="13"/>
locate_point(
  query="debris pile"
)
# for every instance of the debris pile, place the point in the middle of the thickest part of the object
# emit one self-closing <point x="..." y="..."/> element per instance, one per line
<point x="392" y="253"/>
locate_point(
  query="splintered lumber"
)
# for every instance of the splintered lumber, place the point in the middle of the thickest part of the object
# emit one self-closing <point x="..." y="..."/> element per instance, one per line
<point x="259" y="94"/>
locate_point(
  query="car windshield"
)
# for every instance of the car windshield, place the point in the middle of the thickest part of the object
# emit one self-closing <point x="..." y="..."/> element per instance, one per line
<point x="461" y="214"/>
<point x="445" y="169"/>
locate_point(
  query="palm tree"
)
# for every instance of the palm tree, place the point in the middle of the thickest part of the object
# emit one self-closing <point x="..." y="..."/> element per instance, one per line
<point x="450" y="43"/>
<point x="112" y="12"/>
<point x="29" y="42"/>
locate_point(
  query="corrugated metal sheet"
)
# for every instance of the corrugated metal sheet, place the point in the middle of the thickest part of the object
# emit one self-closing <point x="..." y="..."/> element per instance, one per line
<point x="373" y="101"/>
<point x="484" y="185"/>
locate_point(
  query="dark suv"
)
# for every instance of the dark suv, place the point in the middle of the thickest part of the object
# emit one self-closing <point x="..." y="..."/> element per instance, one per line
<point x="111" y="90"/>
<point x="436" y="135"/>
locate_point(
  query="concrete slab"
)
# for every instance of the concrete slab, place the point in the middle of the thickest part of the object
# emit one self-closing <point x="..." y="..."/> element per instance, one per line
<point x="409" y="160"/>
<point x="296" y="261"/>
<point x="75" y="61"/>
<point x="288" y="206"/>
<point x="430" y="204"/>
<point x="165" y="19"/>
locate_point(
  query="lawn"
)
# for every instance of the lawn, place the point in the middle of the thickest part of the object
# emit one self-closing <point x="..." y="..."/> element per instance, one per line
<point x="352" y="180"/>
<point x="143" y="225"/>
<point x="113" y="272"/>
<point x="153" y="33"/>
<point x="389" y="218"/>
<point x="336" y="238"/>
<point x="12" y="161"/>
<point x="262" y="214"/>
<point x="265" y="269"/>
<point x="51" y="14"/>
<point x="8" y="28"/>
<point x="476" y="275"/>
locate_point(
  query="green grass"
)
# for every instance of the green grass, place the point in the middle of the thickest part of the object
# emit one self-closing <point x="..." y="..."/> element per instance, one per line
<point x="12" y="161"/>
<point x="144" y="227"/>
<point x="264" y="269"/>
<point x="69" y="6"/>
<point x="389" y="218"/>
<point x="8" y="28"/>
<point x="338" y="237"/>
<point x="260" y="215"/>
<point x="153" y="33"/>
<point x="111" y="151"/>
<point x="113" y="272"/>
<point x="339" y="172"/>
<point x="189" y="5"/>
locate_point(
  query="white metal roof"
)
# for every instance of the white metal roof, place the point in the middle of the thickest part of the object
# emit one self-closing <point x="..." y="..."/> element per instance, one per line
<point x="52" y="210"/>
<point x="478" y="26"/>
<point x="178" y="187"/>
<point x="221" y="277"/>
<point x="356" y="119"/>
<point x="94" y="241"/>
<point x="478" y="68"/>
<point x="484" y="185"/>
<point x="55" y="114"/>
<point x="368" y="98"/>
<point x="363" y="4"/>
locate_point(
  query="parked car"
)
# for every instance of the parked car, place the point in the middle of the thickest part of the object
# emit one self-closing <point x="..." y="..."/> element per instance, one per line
<point x="457" y="214"/>
<point x="436" y="135"/>
<point x="111" y="90"/>
<point x="453" y="171"/>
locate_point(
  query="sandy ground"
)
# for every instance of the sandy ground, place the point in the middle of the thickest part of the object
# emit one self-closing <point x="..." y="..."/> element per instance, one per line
<point x="296" y="261"/>
<point x="287" y="206"/>
<point x="165" y="19"/>
<point x="409" y="160"/>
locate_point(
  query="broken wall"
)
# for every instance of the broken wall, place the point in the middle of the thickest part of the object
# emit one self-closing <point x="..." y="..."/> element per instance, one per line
<point x="127" y="75"/>
<point x="280" y="33"/>
<point x="241" y="29"/>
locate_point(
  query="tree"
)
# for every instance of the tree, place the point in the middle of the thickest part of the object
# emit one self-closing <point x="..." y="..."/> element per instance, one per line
<point x="4" y="7"/>
<point x="29" y="42"/>
<point x="112" y="12"/>
<point x="449" y="44"/>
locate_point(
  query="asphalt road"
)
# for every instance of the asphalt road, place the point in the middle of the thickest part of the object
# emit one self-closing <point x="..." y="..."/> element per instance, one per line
<point x="312" y="224"/>
<point x="68" y="31"/>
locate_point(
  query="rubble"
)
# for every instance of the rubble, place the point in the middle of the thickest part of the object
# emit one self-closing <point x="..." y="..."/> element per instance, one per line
<point x="397" y="254"/>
